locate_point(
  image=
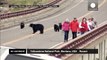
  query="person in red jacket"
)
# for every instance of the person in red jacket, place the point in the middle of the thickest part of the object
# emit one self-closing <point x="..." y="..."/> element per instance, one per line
<point x="83" y="26"/>
<point x="74" y="26"/>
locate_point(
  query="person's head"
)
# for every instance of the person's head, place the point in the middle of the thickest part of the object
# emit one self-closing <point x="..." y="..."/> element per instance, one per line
<point x="67" y="20"/>
<point x="84" y="19"/>
<point x="75" y="19"/>
<point x="31" y="25"/>
<point x="92" y="19"/>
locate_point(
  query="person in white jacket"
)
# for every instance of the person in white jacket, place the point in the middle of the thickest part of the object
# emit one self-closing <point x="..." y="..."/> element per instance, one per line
<point x="91" y="24"/>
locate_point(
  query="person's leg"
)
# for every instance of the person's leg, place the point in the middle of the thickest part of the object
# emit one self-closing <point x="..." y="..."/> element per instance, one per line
<point x="72" y="35"/>
<point x="75" y="34"/>
<point x="67" y="35"/>
<point x="82" y="33"/>
<point x="64" y="36"/>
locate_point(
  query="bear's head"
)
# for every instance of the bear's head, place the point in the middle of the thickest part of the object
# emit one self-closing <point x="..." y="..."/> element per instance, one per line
<point x="31" y="25"/>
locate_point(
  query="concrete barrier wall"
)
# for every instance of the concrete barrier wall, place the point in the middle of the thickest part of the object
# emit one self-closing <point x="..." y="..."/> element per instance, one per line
<point x="102" y="51"/>
<point x="88" y="40"/>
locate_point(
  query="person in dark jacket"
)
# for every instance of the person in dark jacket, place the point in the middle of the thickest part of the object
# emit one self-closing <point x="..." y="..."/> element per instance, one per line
<point x="74" y="26"/>
<point x="22" y="25"/>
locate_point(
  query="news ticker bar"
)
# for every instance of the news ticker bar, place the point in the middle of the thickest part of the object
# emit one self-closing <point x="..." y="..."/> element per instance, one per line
<point x="53" y="51"/>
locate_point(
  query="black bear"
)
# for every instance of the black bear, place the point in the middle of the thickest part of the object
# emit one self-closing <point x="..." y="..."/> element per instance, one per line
<point x="56" y="28"/>
<point x="37" y="27"/>
<point x="22" y="25"/>
<point x="60" y="26"/>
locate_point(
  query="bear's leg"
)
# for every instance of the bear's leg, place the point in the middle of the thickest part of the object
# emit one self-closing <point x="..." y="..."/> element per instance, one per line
<point x="41" y="31"/>
<point x="34" y="31"/>
<point x="22" y="27"/>
<point x="54" y="29"/>
<point x="58" y="29"/>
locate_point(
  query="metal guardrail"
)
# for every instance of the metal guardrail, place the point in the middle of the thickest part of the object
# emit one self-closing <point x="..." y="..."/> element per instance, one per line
<point x="19" y="13"/>
<point x="80" y="41"/>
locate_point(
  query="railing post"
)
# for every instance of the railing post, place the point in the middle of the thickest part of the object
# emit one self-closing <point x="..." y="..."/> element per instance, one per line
<point x="88" y="56"/>
<point x="82" y="57"/>
<point x="104" y="49"/>
<point x="100" y="51"/>
<point x="94" y="55"/>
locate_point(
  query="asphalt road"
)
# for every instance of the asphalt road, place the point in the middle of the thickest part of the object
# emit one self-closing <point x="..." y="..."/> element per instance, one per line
<point x="23" y="38"/>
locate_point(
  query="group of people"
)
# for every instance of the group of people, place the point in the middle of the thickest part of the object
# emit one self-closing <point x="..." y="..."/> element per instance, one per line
<point x="84" y="26"/>
<point x="76" y="27"/>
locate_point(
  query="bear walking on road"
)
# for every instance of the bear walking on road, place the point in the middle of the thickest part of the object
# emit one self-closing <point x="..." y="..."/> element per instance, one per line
<point x="60" y="26"/>
<point x="56" y="28"/>
<point x="22" y="25"/>
<point x="37" y="27"/>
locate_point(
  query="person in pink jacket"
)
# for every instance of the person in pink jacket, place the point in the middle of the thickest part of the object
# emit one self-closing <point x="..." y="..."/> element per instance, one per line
<point x="65" y="28"/>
